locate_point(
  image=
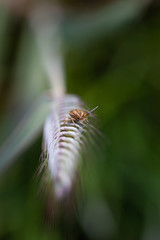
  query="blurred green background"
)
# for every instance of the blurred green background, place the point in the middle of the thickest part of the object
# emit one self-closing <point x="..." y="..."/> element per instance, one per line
<point x="112" y="59"/>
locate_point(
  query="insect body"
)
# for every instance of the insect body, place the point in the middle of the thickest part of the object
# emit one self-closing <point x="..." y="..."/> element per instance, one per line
<point x="79" y="115"/>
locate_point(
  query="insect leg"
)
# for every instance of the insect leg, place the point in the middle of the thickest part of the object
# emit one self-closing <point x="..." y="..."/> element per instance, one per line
<point x="66" y="119"/>
<point x="84" y="119"/>
<point x="72" y="120"/>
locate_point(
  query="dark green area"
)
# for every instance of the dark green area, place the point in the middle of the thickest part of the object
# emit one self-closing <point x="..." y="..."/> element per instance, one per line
<point x="119" y="72"/>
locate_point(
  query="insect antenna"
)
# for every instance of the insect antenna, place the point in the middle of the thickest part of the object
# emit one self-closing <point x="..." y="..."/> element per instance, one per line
<point x="93" y="109"/>
<point x="90" y="112"/>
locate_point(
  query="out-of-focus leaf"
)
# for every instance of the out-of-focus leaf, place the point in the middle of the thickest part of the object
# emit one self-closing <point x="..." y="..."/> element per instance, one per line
<point x="4" y="26"/>
<point x="25" y="133"/>
<point x="87" y="27"/>
<point x="29" y="68"/>
<point x="4" y="39"/>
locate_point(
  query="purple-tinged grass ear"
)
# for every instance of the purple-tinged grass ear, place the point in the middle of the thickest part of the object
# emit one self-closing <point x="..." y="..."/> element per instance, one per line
<point x="65" y="143"/>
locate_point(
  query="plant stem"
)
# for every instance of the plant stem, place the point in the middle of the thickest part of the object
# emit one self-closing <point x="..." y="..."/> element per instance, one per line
<point x="46" y="27"/>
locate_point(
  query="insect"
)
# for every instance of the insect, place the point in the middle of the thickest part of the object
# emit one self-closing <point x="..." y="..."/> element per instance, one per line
<point x="78" y="115"/>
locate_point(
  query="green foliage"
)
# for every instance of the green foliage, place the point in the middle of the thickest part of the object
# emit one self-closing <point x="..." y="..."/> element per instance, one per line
<point x="119" y="72"/>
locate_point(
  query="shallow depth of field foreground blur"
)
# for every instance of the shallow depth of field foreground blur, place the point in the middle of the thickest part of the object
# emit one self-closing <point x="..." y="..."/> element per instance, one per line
<point x="111" y="55"/>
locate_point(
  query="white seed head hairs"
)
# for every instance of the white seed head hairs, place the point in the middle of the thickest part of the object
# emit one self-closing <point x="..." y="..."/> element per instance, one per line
<point x="67" y="132"/>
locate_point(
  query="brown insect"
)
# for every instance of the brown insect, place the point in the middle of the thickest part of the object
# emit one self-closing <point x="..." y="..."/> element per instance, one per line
<point x="78" y="115"/>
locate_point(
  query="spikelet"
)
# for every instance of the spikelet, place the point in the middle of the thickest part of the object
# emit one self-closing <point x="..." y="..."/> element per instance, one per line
<point x="64" y="144"/>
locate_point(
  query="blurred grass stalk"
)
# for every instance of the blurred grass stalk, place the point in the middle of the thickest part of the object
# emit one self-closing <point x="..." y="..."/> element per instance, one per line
<point x="47" y="29"/>
<point x="63" y="141"/>
<point x="45" y="24"/>
<point x="32" y="123"/>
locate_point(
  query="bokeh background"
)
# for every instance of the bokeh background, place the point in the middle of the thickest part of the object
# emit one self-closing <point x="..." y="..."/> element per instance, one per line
<point x="111" y="53"/>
